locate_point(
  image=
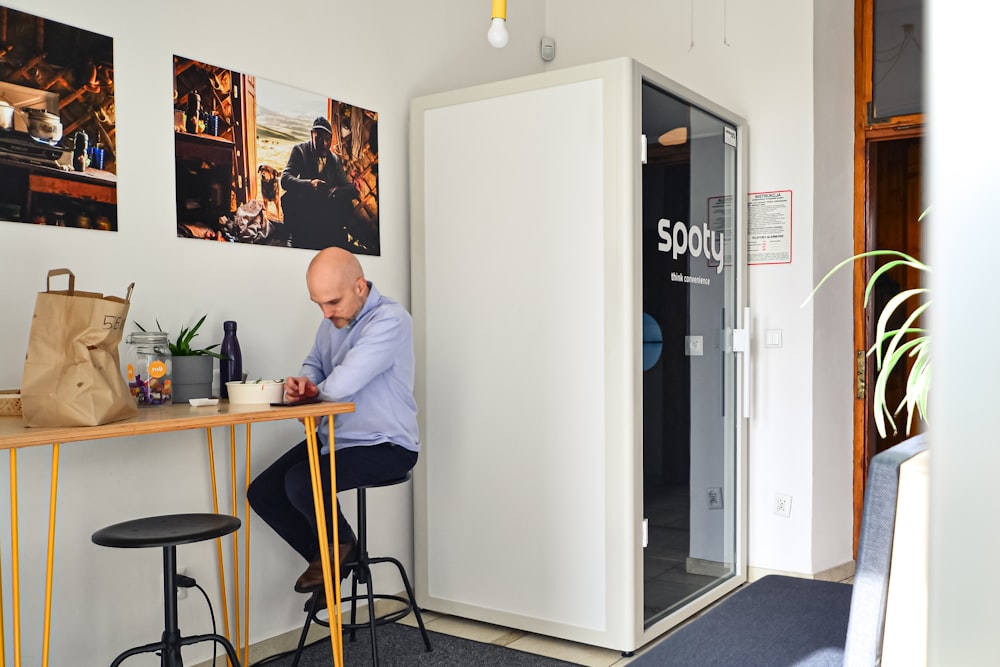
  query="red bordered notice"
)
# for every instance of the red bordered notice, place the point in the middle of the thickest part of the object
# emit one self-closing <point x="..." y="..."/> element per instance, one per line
<point x="769" y="227"/>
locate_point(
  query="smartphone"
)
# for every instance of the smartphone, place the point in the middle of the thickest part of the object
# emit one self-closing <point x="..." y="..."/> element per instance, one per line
<point x="301" y="401"/>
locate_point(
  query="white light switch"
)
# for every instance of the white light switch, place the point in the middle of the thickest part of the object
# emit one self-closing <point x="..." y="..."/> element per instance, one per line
<point x="693" y="346"/>
<point x="772" y="338"/>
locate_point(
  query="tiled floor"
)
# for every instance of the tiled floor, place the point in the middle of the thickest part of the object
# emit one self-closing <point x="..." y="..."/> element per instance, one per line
<point x="582" y="654"/>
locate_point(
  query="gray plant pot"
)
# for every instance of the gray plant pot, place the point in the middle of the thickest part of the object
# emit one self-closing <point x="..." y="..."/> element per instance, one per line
<point x="191" y="377"/>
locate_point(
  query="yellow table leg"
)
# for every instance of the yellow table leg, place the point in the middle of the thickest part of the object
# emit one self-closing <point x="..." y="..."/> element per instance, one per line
<point x="236" y="544"/>
<point x="15" y="569"/>
<point x="337" y="620"/>
<point x="54" y="484"/>
<point x="331" y="583"/>
<point x="246" y="556"/>
<point x="3" y="631"/>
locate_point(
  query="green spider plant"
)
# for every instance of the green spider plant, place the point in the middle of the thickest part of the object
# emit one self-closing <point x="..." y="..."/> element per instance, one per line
<point x="182" y="346"/>
<point x="893" y="346"/>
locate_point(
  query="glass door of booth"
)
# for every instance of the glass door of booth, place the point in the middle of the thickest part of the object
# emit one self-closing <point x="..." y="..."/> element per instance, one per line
<point x="691" y="279"/>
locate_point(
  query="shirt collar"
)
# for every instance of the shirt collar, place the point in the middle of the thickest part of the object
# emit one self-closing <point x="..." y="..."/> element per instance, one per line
<point x="373" y="298"/>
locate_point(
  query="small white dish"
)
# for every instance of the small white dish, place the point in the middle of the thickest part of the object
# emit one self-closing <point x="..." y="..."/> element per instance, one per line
<point x="202" y="402"/>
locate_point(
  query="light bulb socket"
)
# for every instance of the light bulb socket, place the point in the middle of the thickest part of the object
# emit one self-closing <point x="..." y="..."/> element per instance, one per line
<point x="499" y="9"/>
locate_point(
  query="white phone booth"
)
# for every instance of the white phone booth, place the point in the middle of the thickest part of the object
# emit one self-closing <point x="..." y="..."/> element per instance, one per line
<point x="578" y="275"/>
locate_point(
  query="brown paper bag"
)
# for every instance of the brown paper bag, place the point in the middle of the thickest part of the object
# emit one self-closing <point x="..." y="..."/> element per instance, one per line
<point x="72" y="373"/>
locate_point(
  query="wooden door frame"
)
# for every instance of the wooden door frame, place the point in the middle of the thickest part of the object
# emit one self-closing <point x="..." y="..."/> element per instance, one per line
<point x="866" y="132"/>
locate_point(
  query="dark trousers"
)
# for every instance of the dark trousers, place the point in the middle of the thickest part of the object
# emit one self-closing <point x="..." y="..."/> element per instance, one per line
<point x="282" y="494"/>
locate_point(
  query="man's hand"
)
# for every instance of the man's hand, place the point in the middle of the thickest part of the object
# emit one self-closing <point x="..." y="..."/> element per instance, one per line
<point x="343" y="192"/>
<point x="299" y="388"/>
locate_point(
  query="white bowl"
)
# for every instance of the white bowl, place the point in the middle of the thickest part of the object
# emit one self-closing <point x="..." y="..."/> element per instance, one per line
<point x="265" y="391"/>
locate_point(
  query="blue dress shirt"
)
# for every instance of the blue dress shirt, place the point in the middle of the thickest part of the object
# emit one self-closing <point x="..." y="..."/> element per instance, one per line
<point x="370" y="363"/>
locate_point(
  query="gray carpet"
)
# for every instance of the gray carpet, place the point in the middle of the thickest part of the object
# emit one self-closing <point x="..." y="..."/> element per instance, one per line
<point x="402" y="646"/>
<point x="777" y="621"/>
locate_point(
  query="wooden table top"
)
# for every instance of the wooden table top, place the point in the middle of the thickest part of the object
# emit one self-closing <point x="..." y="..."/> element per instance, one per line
<point x="160" y="419"/>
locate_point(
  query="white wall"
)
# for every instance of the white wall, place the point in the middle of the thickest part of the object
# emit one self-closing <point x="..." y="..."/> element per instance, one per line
<point x="376" y="55"/>
<point x="833" y="238"/>
<point x="758" y="60"/>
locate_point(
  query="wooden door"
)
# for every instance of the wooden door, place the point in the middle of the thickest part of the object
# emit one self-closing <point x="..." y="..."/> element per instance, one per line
<point x="894" y="223"/>
<point x="887" y="206"/>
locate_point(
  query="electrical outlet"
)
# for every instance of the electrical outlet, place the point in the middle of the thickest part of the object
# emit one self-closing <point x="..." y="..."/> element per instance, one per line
<point x="783" y="504"/>
<point x="182" y="592"/>
<point x="694" y="346"/>
<point x="714" y="497"/>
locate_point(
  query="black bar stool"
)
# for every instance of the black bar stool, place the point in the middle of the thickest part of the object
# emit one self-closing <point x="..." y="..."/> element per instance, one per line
<point x="361" y="569"/>
<point x="167" y="532"/>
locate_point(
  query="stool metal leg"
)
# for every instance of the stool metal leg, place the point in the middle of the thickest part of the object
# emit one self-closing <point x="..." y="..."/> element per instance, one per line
<point x="413" y="601"/>
<point x="365" y="571"/>
<point x="310" y="615"/>
<point x="371" y="615"/>
<point x="171" y="641"/>
<point x="147" y="648"/>
<point x="171" y="634"/>
<point x="362" y="573"/>
<point x="354" y="601"/>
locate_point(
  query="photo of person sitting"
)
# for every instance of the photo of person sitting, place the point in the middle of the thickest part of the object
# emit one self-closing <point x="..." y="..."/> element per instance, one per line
<point x="318" y="197"/>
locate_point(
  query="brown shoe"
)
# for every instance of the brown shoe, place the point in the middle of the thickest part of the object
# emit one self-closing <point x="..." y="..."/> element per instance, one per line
<point x="320" y="603"/>
<point x="312" y="579"/>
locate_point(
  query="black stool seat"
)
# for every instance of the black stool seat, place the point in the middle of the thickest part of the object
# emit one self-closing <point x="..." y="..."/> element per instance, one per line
<point x="166" y="532"/>
<point x="377" y="485"/>
<point x="169" y="529"/>
<point x="361" y="568"/>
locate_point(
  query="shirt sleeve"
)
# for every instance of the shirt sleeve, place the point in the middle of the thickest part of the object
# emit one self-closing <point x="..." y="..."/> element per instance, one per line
<point x="373" y="352"/>
<point x="313" y="366"/>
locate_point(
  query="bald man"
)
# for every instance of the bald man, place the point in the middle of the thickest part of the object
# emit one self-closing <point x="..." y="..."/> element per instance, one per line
<point x="362" y="353"/>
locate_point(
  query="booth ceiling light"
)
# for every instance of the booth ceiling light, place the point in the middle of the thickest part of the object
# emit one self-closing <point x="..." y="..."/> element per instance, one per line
<point x="497" y="35"/>
<point x="675" y="137"/>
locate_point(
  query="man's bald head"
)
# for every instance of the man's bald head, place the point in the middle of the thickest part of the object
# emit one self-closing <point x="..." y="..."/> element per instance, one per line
<point x="337" y="285"/>
<point x="335" y="263"/>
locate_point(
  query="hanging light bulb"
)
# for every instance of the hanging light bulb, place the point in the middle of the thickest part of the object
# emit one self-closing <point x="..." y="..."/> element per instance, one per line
<point x="497" y="35"/>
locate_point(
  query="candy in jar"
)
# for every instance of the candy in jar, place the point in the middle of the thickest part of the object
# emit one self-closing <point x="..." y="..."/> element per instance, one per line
<point x="149" y="366"/>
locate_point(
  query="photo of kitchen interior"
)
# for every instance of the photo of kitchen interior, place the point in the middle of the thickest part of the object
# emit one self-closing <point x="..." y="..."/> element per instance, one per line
<point x="57" y="124"/>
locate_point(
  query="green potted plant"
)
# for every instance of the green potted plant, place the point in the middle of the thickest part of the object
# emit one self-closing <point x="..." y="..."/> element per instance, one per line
<point x="894" y="345"/>
<point x="192" y="367"/>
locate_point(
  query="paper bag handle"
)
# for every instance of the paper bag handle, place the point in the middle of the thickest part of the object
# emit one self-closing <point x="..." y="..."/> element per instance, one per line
<point x="61" y="272"/>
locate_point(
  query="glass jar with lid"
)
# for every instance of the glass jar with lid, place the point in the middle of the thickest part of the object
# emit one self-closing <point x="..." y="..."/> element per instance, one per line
<point x="149" y="366"/>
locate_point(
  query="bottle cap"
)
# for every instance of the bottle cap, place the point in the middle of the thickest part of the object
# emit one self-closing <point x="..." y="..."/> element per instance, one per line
<point x="229" y="325"/>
